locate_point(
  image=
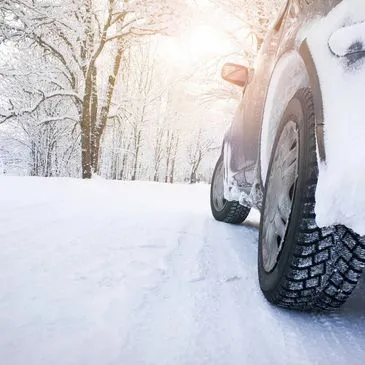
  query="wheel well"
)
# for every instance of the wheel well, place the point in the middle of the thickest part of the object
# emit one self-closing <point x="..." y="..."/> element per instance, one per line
<point x="294" y="70"/>
<point x="317" y="99"/>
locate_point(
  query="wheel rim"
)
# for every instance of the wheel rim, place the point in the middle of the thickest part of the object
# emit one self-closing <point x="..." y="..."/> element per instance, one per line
<point x="280" y="195"/>
<point x="219" y="201"/>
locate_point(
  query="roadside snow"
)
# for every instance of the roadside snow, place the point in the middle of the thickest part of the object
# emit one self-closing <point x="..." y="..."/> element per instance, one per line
<point x="98" y="272"/>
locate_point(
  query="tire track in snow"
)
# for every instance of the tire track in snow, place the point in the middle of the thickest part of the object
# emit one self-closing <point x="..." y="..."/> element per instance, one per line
<point x="160" y="309"/>
<point x="197" y="309"/>
<point x="207" y="309"/>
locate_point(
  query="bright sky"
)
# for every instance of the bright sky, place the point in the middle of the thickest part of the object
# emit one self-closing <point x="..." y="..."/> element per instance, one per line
<point x="205" y="38"/>
<point x="199" y="43"/>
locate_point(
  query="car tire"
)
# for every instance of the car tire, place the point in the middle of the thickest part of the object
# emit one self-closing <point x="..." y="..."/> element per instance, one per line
<point x="300" y="265"/>
<point x="223" y="210"/>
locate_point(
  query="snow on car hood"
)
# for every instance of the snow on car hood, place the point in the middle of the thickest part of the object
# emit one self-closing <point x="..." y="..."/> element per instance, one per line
<point x="340" y="195"/>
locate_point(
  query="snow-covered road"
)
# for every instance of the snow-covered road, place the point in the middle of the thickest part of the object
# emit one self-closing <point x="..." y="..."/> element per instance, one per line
<point x="140" y="274"/>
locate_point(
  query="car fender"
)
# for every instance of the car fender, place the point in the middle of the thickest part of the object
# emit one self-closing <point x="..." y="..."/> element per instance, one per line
<point x="289" y="75"/>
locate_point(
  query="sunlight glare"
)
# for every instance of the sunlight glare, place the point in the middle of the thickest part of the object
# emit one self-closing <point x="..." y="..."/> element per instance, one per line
<point x="206" y="40"/>
<point x="199" y="44"/>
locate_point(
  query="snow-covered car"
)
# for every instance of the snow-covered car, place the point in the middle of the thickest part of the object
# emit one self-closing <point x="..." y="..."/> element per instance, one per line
<point x="295" y="151"/>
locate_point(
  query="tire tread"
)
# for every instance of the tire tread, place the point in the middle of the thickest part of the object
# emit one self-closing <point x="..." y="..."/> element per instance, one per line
<point x="236" y="213"/>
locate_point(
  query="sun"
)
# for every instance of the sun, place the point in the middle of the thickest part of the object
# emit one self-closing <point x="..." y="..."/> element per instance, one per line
<point x="204" y="40"/>
<point x="198" y="44"/>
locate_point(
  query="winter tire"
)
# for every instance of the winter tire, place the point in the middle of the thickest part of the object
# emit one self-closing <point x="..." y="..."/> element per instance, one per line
<point x="222" y="209"/>
<point x="301" y="266"/>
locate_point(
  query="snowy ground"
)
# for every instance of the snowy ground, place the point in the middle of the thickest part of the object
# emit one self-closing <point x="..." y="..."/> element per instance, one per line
<point x="136" y="273"/>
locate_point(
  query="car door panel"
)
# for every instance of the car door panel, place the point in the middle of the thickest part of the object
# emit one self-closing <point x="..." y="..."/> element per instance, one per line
<point x="242" y="140"/>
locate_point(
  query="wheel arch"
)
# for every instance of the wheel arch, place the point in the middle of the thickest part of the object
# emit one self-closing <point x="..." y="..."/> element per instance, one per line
<point x="317" y="98"/>
<point x="294" y="69"/>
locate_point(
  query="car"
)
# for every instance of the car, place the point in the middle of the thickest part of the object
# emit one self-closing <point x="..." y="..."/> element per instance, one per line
<point x="289" y="153"/>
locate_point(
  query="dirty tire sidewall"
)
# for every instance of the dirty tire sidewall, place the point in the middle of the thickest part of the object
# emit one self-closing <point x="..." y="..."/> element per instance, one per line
<point x="233" y="212"/>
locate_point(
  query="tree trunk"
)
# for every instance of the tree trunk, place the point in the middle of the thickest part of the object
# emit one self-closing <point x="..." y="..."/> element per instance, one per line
<point x="172" y="171"/>
<point x="168" y="156"/>
<point x="104" y="114"/>
<point x="87" y="127"/>
<point x="125" y="160"/>
<point x="136" y="156"/>
<point x="34" y="158"/>
<point x="193" y="177"/>
<point x="158" y="150"/>
<point x="94" y="118"/>
<point x="86" y="131"/>
<point x="86" y="49"/>
<point x="194" y="169"/>
<point x="173" y="161"/>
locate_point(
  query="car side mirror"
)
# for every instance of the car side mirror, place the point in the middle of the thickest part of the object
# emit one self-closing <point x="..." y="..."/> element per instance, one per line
<point x="235" y="74"/>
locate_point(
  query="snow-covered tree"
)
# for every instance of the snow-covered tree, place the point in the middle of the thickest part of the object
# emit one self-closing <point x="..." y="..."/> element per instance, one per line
<point x="84" y="42"/>
<point x="255" y="15"/>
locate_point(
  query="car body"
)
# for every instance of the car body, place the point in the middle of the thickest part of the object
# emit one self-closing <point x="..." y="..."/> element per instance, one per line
<point x="288" y="60"/>
<point x="317" y="46"/>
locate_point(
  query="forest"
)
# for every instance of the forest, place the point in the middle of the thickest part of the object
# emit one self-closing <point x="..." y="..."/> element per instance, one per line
<point x="121" y="89"/>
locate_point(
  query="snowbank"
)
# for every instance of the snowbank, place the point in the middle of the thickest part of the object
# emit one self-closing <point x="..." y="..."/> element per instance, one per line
<point x="340" y="193"/>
